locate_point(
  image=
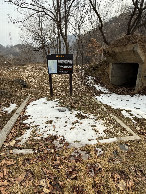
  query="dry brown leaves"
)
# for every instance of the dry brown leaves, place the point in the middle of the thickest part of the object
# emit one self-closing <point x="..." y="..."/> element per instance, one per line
<point x="55" y="169"/>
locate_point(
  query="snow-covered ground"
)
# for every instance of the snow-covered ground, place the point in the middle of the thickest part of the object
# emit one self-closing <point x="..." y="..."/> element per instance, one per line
<point x="10" y="108"/>
<point x="98" y="87"/>
<point x="134" y="106"/>
<point x="102" y="89"/>
<point x="47" y="117"/>
<point x="131" y="106"/>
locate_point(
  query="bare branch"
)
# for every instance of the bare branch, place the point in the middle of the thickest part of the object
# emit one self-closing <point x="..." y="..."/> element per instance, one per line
<point x="100" y="21"/>
<point x="136" y="16"/>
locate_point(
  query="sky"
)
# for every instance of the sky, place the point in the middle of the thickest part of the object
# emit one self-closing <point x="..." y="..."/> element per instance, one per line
<point x="10" y="33"/>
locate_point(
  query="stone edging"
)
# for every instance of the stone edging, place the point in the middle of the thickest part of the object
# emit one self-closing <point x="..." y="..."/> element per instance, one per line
<point x="7" y="128"/>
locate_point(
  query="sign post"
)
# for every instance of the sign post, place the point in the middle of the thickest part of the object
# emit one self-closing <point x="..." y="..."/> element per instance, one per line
<point x="60" y="64"/>
<point x="51" y="88"/>
<point x="70" y="80"/>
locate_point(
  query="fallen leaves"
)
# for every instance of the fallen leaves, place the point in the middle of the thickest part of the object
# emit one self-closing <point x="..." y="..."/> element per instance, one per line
<point x="3" y="190"/>
<point x="130" y="184"/>
<point x="20" y="177"/>
<point x="117" y="177"/>
<point x="12" y="143"/>
<point x="7" y="162"/>
<point x="47" y="188"/>
<point x="59" y="171"/>
<point x="122" y="185"/>
<point x="43" y="183"/>
<point x="4" y="171"/>
<point x="3" y="183"/>
<point x="1" y="175"/>
<point x="54" y="171"/>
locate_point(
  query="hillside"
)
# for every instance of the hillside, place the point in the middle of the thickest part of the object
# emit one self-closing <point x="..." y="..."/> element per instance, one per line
<point x="20" y="54"/>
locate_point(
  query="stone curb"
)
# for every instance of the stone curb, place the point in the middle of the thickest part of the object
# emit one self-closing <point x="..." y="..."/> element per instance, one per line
<point x="7" y="128"/>
<point x="126" y="138"/>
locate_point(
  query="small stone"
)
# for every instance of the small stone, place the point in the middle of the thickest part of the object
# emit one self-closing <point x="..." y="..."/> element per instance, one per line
<point x="93" y="125"/>
<point x="61" y="109"/>
<point x="21" y="82"/>
<point x="115" y="152"/>
<point x="123" y="147"/>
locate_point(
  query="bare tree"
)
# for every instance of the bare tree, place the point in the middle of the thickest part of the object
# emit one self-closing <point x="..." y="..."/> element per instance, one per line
<point x="59" y="12"/>
<point x="37" y="32"/>
<point x="137" y="16"/>
<point x="95" y="6"/>
<point x="136" y="19"/>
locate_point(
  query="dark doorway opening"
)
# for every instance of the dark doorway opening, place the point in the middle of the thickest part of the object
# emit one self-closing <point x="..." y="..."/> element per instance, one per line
<point x="124" y="74"/>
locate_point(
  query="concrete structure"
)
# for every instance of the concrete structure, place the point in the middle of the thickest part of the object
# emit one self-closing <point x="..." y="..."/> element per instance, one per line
<point x="127" y="65"/>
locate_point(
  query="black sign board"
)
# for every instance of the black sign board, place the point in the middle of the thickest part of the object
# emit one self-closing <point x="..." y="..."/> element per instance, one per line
<point x="60" y="63"/>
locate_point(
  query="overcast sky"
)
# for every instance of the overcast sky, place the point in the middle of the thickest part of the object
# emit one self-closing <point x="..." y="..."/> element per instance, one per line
<point x="10" y="33"/>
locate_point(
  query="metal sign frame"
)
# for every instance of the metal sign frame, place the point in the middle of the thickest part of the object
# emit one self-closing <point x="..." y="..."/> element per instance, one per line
<point x="60" y="64"/>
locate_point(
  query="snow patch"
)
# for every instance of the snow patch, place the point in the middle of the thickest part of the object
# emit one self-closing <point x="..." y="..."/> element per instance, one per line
<point x="90" y="81"/>
<point x="10" y="108"/>
<point x="51" y="119"/>
<point x="128" y="115"/>
<point x="136" y="105"/>
<point x="102" y="89"/>
<point x="23" y="151"/>
<point x="98" y="87"/>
